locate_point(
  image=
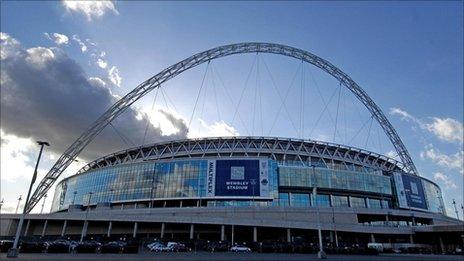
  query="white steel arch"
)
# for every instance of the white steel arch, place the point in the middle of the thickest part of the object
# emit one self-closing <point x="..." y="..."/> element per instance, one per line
<point x="172" y="71"/>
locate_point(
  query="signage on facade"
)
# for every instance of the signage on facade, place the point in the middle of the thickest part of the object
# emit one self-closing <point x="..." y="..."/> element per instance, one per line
<point x="237" y="178"/>
<point x="410" y="191"/>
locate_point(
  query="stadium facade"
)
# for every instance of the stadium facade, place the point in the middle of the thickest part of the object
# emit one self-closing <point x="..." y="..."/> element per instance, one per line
<point x="247" y="189"/>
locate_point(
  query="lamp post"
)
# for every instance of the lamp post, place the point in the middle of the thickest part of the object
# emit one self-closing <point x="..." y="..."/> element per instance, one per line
<point x="321" y="254"/>
<point x="455" y="209"/>
<point x="74" y="197"/>
<point x="43" y="204"/>
<point x="13" y="252"/>
<point x="253" y="183"/>
<point x="86" y="224"/>
<point x="19" y="201"/>
<point x="1" y="204"/>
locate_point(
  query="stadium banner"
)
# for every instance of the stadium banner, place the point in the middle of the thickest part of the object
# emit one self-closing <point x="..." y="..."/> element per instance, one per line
<point x="237" y="178"/>
<point x="410" y="191"/>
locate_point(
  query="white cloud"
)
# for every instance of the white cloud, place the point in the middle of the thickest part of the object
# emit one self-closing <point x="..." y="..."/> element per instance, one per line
<point x="59" y="39"/>
<point x="446" y="129"/>
<point x="441" y="177"/>
<point x="39" y="56"/>
<point x="16" y="162"/>
<point x="9" y="46"/>
<point x="113" y="75"/>
<point x="82" y="45"/>
<point x="454" y="161"/>
<point x="216" y="129"/>
<point x="95" y="81"/>
<point x="102" y="63"/>
<point x="91" y="9"/>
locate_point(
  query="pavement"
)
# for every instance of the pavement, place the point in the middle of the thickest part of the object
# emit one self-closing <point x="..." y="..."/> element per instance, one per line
<point x="201" y="256"/>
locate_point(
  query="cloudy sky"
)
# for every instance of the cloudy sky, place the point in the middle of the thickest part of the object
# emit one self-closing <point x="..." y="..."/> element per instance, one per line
<point x="65" y="63"/>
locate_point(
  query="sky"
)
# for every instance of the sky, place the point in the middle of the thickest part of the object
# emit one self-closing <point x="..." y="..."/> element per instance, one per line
<point x="64" y="63"/>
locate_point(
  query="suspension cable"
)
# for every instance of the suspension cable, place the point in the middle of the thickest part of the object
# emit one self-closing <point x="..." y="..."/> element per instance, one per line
<point x="280" y="96"/>
<point x="368" y="133"/>
<point x="151" y="111"/>
<point x="338" y="105"/>
<point x="123" y="138"/>
<point x="198" y="95"/>
<point x="362" y="127"/>
<point x="243" y="91"/>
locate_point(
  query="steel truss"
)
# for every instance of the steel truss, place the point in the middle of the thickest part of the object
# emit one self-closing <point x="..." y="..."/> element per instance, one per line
<point x="304" y="152"/>
<point x="172" y="71"/>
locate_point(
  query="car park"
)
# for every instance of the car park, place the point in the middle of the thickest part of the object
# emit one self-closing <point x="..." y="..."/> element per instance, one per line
<point x="113" y="247"/>
<point x="59" y="246"/>
<point x="91" y="246"/>
<point x="5" y="244"/>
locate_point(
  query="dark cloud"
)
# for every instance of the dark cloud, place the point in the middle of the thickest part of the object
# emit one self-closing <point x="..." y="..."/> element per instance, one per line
<point x="47" y="95"/>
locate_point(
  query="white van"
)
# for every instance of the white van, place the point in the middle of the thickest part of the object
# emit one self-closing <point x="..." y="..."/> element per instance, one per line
<point x="377" y="246"/>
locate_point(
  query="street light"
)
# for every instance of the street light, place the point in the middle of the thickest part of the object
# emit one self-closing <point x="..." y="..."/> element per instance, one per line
<point x="253" y="183"/>
<point x="13" y="252"/>
<point x="455" y="209"/>
<point x="1" y="204"/>
<point x="321" y="254"/>
<point x="19" y="201"/>
<point x="86" y="224"/>
<point x="74" y="197"/>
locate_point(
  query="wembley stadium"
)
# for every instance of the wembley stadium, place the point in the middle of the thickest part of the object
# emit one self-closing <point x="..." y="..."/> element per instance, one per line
<point x="244" y="188"/>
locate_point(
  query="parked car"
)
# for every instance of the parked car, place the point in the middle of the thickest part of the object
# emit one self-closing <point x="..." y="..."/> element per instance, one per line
<point x="59" y="246"/>
<point x="178" y="247"/>
<point x="157" y="247"/>
<point x="240" y="248"/>
<point x="88" y="247"/>
<point x="5" y="245"/>
<point x="32" y="247"/>
<point x="113" y="247"/>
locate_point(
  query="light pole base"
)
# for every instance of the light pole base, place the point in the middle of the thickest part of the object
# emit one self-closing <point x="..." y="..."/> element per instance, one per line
<point x="321" y="255"/>
<point x="12" y="253"/>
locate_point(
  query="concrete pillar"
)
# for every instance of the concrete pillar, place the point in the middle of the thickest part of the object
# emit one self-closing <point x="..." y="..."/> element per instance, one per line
<point x="233" y="235"/>
<point x="192" y="226"/>
<point x="442" y="246"/>
<point x="27" y="227"/>
<point x="289" y="235"/>
<point x="198" y="203"/>
<point x="331" y="237"/>
<point x="84" y="230"/>
<point x="372" y="238"/>
<point x="223" y="234"/>
<point x="180" y="204"/>
<point x="135" y="205"/>
<point x="164" y="204"/>
<point x="134" y="233"/>
<point x="122" y="206"/>
<point x="110" y="228"/>
<point x="63" y="230"/>
<point x="255" y="234"/>
<point x="44" y="228"/>
<point x="411" y="239"/>
<point x="336" y="238"/>
<point x="163" y="226"/>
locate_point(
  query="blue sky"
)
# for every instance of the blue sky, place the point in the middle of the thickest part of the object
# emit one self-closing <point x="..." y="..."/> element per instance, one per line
<point x="407" y="56"/>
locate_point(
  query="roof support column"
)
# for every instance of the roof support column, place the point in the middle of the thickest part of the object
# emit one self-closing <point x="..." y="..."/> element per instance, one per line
<point x="63" y="230"/>
<point x="44" y="227"/>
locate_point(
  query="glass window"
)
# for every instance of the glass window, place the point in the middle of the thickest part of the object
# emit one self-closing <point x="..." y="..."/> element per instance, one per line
<point x="374" y="203"/>
<point x="283" y="199"/>
<point x="356" y="202"/>
<point x="321" y="200"/>
<point x="340" y="201"/>
<point x="299" y="200"/>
